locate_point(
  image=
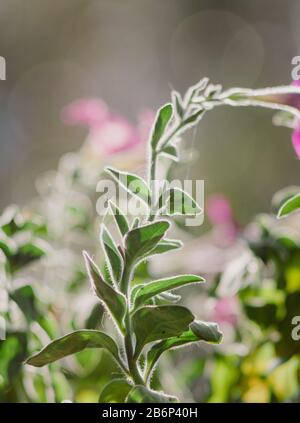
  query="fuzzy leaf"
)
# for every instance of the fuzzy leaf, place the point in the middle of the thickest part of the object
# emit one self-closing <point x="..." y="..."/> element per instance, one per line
<point x="194" y="117"/>
<point x="140" y="241"/>
<point x="163" y="117"/>
<point x="114" y="301"/>
<point x="71" y="344"/>
<point x="26" y="299"/>
<point x="207" y="331"/>
<point x="199" y="331"/>
<point x="113" y="256"/>
<point x="166" y="245"/>
<point x="290" y="206"/>
<point x="181" y="203"/>
<point x="141" y="394"/>
<point x="115" y="391"/>
<point x="120" y="219"/>
<point x="106" y="274"/>
<point x="171" y="151"/>
<point x="165" y="297"/>
<point x="132" y="183"/>
<point x="157" y="287"/>
<point x="152" y="323"/>
<point x="158" y="349"/>
<point x="177" y="100"/>
<point x="169" y="297"/>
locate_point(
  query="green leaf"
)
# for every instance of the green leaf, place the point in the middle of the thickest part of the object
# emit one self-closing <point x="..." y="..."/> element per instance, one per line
<point x="28" y="252"/>
<point x="181" y="203"/>
<point x="6" y="244"/>
<point x="140" y="241"/>
<point x="132" y="183"/>
<point x="284" y="194"/>
<point x="13" y="352"/>
<point x="199" y="331"/>
<point x="166" y="245"/>
<point x="120" y="219"/>
<point x="177" y="100"/>
<point x="135" y="223"/>
<point x="162" y="119"/>
<point x="26" y="299"/>
<point x="115" y="391"/>
<point x="158" y="349"/>
<point x="113" y="256"/>
<point x="71" y="344"/>
<point x="290" y="206"/>
<point x="94" y="319"/>
<point x="113" y="300"/>
<point x="170" y="151"/>
<point x="32" y="250"/>
<point x="156" y="287"/>
<point x="194" y="117"/>
<point x="207" y="331"/>
<point x="164" y="297"/>
<point x="169" y="297"/>
<point x="141" y="394"/>
<point x="107" y="274"/>
<point x="152" y="323"/>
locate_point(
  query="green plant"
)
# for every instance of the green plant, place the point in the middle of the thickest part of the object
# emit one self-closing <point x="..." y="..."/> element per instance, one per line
<point x="26" y="316"/>
<point x="137" y="311"/>
<point x="139" y="318"/>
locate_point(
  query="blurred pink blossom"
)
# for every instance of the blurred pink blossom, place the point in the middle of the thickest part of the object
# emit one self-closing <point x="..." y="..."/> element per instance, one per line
<point x="89" y="112"/>
<point x="225" y="311"/>
<point x="294" y="99"/>
<point x="296" y="140"/>
<point x="218" y="209"/>
<point x="109" y="134"/>
<point x="220" y="215"/>
<point x="113" y="136"/>
<point x="145" y="122"/>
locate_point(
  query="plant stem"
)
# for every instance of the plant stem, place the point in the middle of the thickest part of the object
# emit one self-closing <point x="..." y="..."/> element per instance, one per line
<point x="154" y="155"/>
<point x="132" y="365"/>
<point x="172" y="134"/>
<point x="128" y="341"/>
<point x="153" y="165"/>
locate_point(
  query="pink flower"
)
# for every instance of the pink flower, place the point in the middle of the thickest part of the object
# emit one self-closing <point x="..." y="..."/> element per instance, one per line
<point x="220" y="215"/>
<point x="218" y="209"/>
<point x="89" y="112"/>
<point x="108" y="133"/>
<point x="296" y="140"/>
<point x="225" y="311"/>
<point x="145" y="122"/>
<point x="113" y="136"/>
<point x="294" y="99"/>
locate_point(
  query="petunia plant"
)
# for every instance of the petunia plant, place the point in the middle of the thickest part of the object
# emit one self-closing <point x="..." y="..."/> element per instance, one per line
<point x="147" y="321"/>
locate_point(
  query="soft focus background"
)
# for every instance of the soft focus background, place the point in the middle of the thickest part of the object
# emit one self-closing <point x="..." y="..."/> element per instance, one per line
<point x="130" y="53"/>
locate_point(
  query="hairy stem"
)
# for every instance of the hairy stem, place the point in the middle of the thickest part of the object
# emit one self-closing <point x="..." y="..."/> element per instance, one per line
<point x="153" y="165"/>
<point x="132" y="365"/>
<point x="128" y="340"/>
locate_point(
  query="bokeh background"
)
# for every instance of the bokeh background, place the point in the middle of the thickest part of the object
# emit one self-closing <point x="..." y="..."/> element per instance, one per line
<point x="130" y="53"/>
